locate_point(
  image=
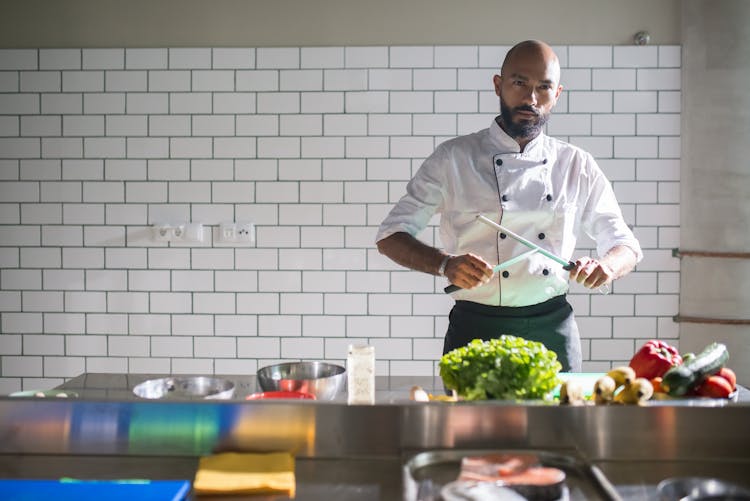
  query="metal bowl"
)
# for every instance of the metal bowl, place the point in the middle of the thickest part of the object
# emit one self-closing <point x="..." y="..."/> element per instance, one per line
<point x="698" y="488"/>
<point x="186" y="388"/>
<point x="323" y="380"/>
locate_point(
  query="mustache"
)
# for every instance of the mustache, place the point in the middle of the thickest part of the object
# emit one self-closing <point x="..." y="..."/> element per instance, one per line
<point x="527" y="108"/>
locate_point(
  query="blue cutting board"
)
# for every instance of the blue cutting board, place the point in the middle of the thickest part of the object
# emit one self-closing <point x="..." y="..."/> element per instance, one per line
<point x="93" y="490"/>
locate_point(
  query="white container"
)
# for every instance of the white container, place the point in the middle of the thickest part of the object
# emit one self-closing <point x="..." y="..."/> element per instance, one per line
<point x="360" y="375"/>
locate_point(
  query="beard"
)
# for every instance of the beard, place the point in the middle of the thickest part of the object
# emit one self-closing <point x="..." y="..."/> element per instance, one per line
<point x="524" y="128"/>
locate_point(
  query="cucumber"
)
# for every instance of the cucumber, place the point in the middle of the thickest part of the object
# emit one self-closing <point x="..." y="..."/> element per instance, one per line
<point x="678" y="380"/>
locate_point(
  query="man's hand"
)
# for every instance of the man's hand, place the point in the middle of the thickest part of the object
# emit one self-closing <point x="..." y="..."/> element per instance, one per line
<point x="468" y="271"/>
<point x="591" y="273"/>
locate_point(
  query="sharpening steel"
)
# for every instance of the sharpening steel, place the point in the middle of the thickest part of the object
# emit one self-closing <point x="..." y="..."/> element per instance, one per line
<point x="567" y="265"/>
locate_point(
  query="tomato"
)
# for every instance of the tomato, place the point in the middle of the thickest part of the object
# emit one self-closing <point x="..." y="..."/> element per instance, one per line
<point x="729" y="375"/>
<point x="714" y="387"/>
<point x="656" y="383"/>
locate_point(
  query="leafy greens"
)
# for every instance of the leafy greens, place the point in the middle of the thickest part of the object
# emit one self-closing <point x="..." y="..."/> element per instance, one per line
<point x="506" y="368"/>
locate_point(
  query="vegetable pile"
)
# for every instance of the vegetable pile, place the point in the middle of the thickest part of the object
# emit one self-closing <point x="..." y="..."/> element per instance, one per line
<point x="703" y="375"/>
<point x="506" y="368"/>
<point x="687" y="375"/>
<point x="657" y="370"/>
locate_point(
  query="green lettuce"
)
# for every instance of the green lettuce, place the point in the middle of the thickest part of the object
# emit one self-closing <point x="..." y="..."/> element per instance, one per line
<point x="506" y="368"/>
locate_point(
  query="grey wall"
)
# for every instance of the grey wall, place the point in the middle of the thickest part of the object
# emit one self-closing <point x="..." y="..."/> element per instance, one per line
<point x="194" y="23"/>
<point x="715" y="183"/>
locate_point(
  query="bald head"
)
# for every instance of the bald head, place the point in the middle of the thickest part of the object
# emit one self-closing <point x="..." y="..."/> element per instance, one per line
<point x="532" y="52"/>
<point x="528" y="87"/>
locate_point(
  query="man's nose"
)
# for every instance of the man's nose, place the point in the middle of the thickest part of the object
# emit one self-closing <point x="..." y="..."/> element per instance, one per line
<point x="529" y="96"/>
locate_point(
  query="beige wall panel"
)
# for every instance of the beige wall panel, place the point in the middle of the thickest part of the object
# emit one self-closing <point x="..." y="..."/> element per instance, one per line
<point x="174" y="23"/>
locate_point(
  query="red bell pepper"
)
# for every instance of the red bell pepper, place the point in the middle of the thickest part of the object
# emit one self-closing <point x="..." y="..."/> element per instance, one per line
<point x="654" y="359"/>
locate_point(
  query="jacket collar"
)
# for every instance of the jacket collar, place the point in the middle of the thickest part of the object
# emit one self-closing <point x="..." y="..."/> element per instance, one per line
<point x="506" y="144"/>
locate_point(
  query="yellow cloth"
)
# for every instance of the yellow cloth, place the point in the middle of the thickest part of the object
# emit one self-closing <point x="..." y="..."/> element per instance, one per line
<point x="246" y="473"/>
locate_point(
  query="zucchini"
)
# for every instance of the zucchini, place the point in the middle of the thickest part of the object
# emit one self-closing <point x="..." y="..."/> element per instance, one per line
<point x="680" y="379"/>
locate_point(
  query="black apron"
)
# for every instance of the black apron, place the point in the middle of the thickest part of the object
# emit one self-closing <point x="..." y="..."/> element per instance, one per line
<point x="551" y="323"/>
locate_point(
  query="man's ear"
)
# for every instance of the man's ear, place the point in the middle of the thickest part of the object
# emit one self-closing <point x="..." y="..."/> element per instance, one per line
<point x="559" y="91"/>
<point x="498" y="81"/>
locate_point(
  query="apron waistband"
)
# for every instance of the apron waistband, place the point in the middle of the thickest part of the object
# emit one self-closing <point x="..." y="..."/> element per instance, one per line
<point x="547" y="306"/>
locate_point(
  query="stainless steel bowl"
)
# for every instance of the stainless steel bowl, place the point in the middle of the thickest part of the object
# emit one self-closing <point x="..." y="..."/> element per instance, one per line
<point x="698" y="488"/>
<point x="321" y="379"/>
<point x="186" y="388"/>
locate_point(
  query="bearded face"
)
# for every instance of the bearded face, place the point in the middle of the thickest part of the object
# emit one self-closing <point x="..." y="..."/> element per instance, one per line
<point x="522" y="121"/>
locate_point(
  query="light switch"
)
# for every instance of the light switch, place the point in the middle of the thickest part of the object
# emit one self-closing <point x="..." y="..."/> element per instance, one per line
<point x="236" y="232"/>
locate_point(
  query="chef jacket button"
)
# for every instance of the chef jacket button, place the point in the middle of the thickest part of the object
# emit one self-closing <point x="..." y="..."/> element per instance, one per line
<point x="504" y="198"/>
<point x="541" y="236"/>
<point x="545" y="272"/>
<point x="544" y="161"/>
<point x="503" y="235"/>
<point x="549" y="198"/>
<point x="506" y="274"/>
<point x="499" y="162"/>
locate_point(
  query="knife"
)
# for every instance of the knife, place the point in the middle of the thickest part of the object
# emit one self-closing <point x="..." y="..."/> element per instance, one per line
<point x="567" y="265"/>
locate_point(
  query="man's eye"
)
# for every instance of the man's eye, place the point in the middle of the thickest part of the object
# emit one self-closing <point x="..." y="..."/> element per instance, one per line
<point x="518" y="83"/>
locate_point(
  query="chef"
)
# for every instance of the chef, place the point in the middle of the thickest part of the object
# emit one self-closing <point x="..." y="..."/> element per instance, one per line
<point x="545" y="190"/>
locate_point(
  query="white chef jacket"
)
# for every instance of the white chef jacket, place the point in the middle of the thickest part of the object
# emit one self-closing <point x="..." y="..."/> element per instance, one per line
<point x="547" y="194"/>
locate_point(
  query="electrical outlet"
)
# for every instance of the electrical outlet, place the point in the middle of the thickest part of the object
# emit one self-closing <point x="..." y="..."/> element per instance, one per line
<point x="235" y="232"/>
<point x="162" y="232"/>
<point x="181" y="232"/>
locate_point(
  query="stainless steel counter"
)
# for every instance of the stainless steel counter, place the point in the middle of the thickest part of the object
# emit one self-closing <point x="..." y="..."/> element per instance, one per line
<point x="391" y="389"/>
<point x="347" y="452"/>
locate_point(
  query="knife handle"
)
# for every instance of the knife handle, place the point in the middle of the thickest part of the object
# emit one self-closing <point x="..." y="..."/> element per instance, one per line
<point x="604" y="289"/>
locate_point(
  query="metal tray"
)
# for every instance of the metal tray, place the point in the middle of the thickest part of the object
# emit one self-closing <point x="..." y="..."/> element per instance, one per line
<point x="666" y="400"/>
<point x="45" y="394"/>
<point x="426" y="473"/>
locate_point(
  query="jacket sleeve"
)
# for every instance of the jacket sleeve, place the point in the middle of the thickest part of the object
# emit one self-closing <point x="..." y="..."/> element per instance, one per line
<point x="602" y="218"/>
<point x="423" y="199"/>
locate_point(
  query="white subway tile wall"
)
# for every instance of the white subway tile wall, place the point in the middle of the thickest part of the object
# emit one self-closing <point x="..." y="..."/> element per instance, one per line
<point x="313" y="145"/>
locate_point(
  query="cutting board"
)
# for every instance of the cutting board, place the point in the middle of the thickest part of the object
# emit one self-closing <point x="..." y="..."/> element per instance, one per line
<point x="585" y="379"/>
<point x="94" y="490"/>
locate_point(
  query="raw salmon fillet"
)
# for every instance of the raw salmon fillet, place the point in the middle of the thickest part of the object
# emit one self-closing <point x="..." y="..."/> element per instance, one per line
<point x="520" y="472"/>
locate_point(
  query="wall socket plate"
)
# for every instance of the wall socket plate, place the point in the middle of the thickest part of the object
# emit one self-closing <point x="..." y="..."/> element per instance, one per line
<point x="178" y="232"/>
<point x="236" y="232"/>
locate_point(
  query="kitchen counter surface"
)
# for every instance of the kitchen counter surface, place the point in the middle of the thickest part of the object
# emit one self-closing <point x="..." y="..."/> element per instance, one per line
<point x="389" y="389"/>
<point x="348" y="452"/>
